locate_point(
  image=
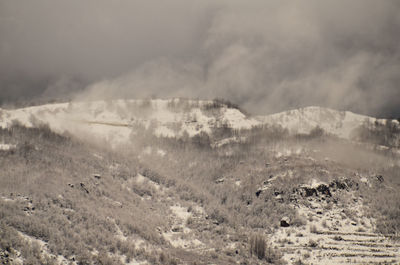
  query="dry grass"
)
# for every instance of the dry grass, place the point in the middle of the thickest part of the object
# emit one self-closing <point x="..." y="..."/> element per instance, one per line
<point x="44" y="163"/>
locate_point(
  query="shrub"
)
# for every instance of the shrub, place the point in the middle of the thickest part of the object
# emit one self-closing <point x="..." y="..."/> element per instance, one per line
<point x="313" y="229"/>
<point x="312" y="243"/>
<point x="258" y="246"/>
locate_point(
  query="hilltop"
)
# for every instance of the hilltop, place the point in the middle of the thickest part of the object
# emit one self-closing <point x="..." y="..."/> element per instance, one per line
<point x="116" y="121"/>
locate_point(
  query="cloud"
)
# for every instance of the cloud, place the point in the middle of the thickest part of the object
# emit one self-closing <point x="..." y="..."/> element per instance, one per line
<point x="266" y="55"/>
<point x="89" y="40"/>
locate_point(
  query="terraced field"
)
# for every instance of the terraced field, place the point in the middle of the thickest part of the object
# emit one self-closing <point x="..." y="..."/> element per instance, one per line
<point x="336" y="236"/>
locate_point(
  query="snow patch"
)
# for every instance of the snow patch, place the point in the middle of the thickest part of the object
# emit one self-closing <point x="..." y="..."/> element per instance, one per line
<point x="304" y="120"/>
<point x="180" y="212"/>
<point x="7" y="147"/>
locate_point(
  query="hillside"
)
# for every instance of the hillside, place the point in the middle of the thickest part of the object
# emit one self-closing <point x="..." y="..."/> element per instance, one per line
<point x="196" y="182"/>
<point x="116" y="121"/>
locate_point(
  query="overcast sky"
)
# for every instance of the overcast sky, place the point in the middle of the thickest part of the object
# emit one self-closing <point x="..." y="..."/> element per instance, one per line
<point x="266" y="55"/>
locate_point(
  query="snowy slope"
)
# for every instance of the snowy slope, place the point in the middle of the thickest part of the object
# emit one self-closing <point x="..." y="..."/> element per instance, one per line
<point x="339" y="123"/>
<point x="117" y="121"/>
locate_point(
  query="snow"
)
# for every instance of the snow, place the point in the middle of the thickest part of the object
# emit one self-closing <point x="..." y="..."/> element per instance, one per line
<point x="315" y="183"/>
<point x="161" y="152"/>
<point x="44" y="249"/>
<point x="337" y="237"/>
<point x="6" y="147"/>
<point x="184" y="237"/>
<point x="163" y="131"/>
<point x="237" y="120"/>
<point x="118" y="122"/>
<point x="339" y="123"/>
<point x="364" y="180"/>
<point x="229" y="140"/>
<point x="140" y="179"/>
<point x="180" y="212"/>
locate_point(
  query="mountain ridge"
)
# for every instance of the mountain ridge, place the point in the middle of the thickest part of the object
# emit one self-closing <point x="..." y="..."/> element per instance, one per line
<point x="118" y="120"/>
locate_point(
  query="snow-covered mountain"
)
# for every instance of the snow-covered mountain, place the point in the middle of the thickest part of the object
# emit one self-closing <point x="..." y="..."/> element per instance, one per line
<point x="339" y="123"/>
<point x="117" y="121"/>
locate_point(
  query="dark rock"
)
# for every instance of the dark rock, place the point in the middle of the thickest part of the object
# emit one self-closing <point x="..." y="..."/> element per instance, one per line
<point x="293" y="198"/>
<point x="307" y="191"/>
<point x="343" y="184"/>
<point x="324" y="189"/>
<point x="338" y="238"/>
<point x="351" y="184"/>
<point x="285" y="222"/>
<point x="338" y="184"/>
<point x="258" y="192"/>
<point x="380" y="178"/>
<point x="83" y="187"/>
<point x="177" y="229"/>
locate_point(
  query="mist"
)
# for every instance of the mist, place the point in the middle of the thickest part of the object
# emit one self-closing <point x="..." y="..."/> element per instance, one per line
<point x="266" y="56"/>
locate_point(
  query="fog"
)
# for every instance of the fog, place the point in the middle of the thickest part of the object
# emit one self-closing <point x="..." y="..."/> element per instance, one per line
<point x="267" y="56"/>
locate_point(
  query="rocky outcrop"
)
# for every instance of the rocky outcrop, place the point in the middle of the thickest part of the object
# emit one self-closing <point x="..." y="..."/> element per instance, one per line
<point x="343" y="184"/>
<point x="324" y="190"/>
<point x="306" y="191"/>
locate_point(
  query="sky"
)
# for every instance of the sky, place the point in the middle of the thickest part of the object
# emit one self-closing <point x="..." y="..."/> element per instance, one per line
<point x="265" y="55"/>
